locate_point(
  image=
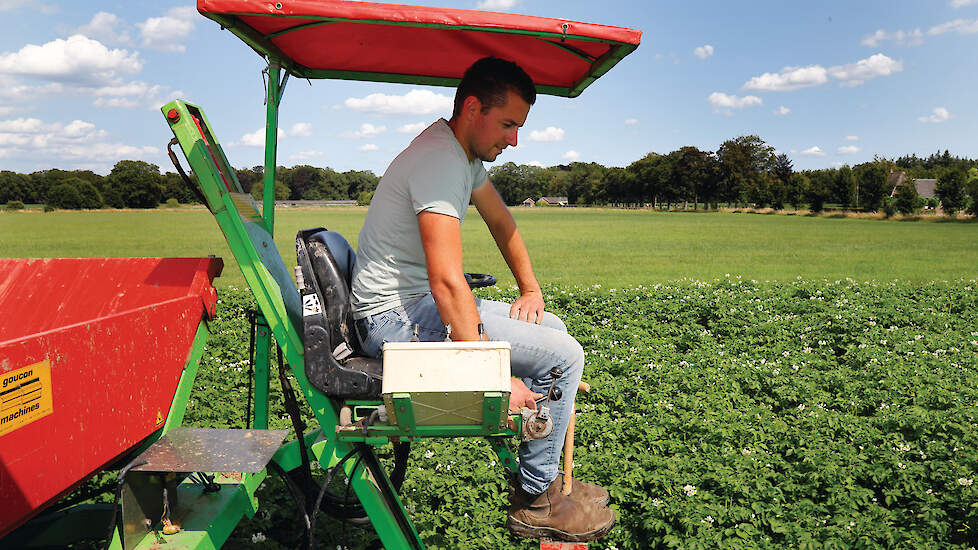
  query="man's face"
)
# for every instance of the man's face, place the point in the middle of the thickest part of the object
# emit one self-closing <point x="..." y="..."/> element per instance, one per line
<point x="496" y="129"/>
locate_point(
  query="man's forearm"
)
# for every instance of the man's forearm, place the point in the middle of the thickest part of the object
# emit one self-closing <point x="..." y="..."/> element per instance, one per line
<point x="456" y="306"/>
<point x="442" y="241"/>
<point x="502" y="226"/>
<point x="511" y="245"/>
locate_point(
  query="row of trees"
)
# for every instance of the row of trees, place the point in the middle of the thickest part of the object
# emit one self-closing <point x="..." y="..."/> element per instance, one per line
<point x="306" y="182"/>
<point x="138" y="184"/>
<point x="132" y="184"/>
<point x="744" y="171"/>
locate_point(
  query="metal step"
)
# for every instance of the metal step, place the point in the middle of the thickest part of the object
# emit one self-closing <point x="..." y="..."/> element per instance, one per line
<point x="150" y="491"/>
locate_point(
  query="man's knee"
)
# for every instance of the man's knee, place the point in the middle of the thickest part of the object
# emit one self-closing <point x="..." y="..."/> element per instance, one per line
<point x="552" y="321"/>
<point x="573" y="356"/>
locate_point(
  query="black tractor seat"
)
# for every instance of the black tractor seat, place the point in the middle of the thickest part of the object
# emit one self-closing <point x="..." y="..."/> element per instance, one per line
<point x="335" y="364"/>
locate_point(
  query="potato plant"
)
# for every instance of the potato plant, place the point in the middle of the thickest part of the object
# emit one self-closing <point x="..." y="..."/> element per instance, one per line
<point x="724" y="414"/>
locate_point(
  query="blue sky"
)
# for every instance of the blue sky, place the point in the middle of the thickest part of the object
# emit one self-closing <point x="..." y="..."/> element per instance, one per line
<point x="828" y="83"/>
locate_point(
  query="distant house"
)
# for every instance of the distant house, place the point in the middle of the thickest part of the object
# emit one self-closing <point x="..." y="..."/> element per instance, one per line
<point x="529" y="203"/>
<point x="925" y="187"/>
<point x="554" y="201"/>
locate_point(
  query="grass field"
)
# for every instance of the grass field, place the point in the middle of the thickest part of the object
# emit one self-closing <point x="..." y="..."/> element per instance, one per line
<point x="573" y="246"/>
<point x="728" y="414"/>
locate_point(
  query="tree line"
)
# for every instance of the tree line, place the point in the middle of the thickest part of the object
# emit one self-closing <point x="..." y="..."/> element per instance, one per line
<point x="138" y="184"/>
<point x="743" y="172"/>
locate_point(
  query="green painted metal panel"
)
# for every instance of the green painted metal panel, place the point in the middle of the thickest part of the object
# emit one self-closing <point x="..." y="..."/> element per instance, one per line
<point x="212" y="516"/>
<point x="288" y="456"/>
<point x="181" y="397"/>
<point x="273" y="97"/>
<point x="263" y="366"/>
<point x="243" y="227"/>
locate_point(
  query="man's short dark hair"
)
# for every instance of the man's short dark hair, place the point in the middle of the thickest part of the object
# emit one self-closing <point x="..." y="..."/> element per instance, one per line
<point x="488" y="79"/>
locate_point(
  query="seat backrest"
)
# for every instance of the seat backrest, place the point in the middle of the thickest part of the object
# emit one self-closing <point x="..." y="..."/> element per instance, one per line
<point x="335" y="364"/>
<point x="341" y="251"/>
<point x="332" y="260"/>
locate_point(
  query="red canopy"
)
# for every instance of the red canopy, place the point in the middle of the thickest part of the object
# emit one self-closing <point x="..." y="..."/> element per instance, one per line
<point x="410" y="44"/>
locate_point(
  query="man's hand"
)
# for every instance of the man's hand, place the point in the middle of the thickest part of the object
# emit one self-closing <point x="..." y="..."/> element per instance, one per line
<point x="529" y="307"/>
<point x="521" y="396"/>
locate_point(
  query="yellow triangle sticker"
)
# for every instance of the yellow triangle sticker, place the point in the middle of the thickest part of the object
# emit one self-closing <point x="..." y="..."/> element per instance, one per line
<point x="159" y="416"/>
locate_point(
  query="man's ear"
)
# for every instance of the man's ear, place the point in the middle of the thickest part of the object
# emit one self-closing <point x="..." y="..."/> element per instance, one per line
<point x="471" y="106"/>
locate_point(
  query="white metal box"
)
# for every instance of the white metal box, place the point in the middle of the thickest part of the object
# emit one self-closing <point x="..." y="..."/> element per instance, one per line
<point x="446" y="380"/>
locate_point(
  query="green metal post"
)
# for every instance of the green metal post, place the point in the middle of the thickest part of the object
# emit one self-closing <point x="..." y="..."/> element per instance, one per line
<point x="272" y="99"/>
<point x="182" y="396"/>
<point x="263" y="346"/>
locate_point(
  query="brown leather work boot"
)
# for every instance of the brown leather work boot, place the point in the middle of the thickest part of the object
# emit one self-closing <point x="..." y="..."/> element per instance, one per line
<point x="554" y="515"/>
<point x="583" y="491"/>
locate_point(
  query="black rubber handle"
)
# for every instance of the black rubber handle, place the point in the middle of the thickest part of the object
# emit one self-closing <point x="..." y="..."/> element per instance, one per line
<point x="479" y="280"/>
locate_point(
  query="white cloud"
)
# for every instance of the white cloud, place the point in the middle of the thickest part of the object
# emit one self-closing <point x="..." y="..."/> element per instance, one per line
<point x="412" y="128"/>
<point x="723" y="103"/>
<point x="852" y="74"/>
<point x="10" y="5"/>
<point x="631" y="121"/>
<point x="76" y="59"/>
<point x="132" y="95"/>
<point x="552" y="133"/>
<point x="859" y="72"/>
<point x="782" y="110"/>
<point x="960" y="26"/>
<point x="962" y="3"/>
<point x="415" y="102"/>
<point x="25" y="126"/>
<point x="852" y="138"/>
<point x="300" y="129"/>
<point x="106" y="151"/>
<point x="57" y="142"/>
<point x="902" y="38"/>
<point x="874" y="39"/>
<point x="14" y="92"/>
<point x="305" y="155"/>
<point x="257" y="138"/>
<point x="940" y="114"/>
<point x="703" y="52"/>
<point x="536" y="163"/>
<point x="366" y="130"/>
<point x="790" y="78"/>
<point x="571" y="155"/>
<point x="7" y="110"/>
<point x="369" y="147"/>
<point x="164" y="33"/>
<point x="107" y="28"/>
<point x="496" y="4"/>
<point x="815" y="151"/>
<point x="848" y="150"/>
<point x="79" y="129"/>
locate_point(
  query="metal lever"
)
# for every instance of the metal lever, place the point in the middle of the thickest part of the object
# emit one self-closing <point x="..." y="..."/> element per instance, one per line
<point x="538" y="424"/>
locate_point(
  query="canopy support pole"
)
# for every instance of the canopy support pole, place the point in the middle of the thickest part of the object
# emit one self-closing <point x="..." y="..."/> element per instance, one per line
<point x="273" y="96"/>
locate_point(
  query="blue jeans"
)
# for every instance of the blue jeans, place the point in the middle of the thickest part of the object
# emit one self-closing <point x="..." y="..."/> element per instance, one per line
<point x="536" y="348"/>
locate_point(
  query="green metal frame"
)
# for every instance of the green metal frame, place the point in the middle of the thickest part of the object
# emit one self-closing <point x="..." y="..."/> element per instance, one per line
<point x="203" y="152"/>
<point x="215" y="514"/>
<point x="248" y="234"/>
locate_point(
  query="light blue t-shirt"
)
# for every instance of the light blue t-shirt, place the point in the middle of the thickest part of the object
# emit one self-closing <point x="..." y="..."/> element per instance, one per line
<point x="433" y="174"/>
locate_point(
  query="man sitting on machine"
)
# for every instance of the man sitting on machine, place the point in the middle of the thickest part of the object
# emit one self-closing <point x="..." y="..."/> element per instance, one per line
<point x="408" y="284"/>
